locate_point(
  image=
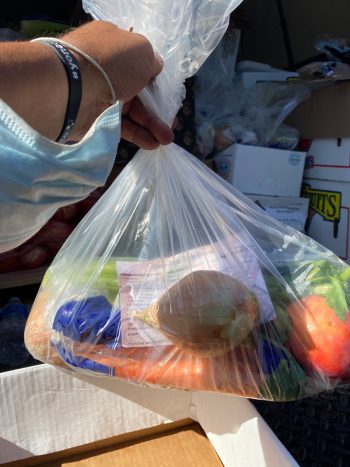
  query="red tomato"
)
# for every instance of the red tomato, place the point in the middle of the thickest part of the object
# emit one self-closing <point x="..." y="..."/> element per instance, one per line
<point x="319" y="339"/>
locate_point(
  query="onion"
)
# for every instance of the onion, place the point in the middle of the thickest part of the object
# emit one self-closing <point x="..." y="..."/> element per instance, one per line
<point x="206" y="312"/>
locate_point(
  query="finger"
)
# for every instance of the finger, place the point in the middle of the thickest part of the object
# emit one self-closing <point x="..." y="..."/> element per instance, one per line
<point x="158" y="65"/>
<point x="143" y="117"/>
<point x="138" y="135"/>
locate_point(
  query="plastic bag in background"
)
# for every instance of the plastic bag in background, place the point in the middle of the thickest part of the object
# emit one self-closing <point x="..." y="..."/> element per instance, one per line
<point x="337" y="49"/>
<point x="213" y="88"/>
<point x="252" y="116"/>
<point x="176" y="279"/>
<point x="217" y="103"/>
<point x="285" y="137"/>
<point x="227" y="112"/>
<point x="335" y="71"/>
<point x="217" y="120"/>
<point x="337" y="67"/>
<point x="267" y="105"/>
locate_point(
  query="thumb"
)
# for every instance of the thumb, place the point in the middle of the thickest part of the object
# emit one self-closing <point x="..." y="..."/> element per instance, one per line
<point x="158" y="65"/>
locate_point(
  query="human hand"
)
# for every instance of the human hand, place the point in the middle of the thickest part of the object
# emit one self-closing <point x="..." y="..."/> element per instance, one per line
<point x="141" y="127"/>
<point x="131" y="64"/>
<point x="127" y="58"/>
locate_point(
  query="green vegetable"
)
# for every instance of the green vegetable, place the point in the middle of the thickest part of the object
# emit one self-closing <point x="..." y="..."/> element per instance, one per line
<point x="102" y="279"/>
<point x="279" y="328"/>
<point x="287" y="382"/>
<point x="329" y="280"/>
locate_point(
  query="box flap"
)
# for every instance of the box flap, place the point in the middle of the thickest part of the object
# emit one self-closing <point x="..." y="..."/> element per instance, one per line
<point x="326" y="114"/>
<point x="238" y="433"/>
<point x="44" y="410"/>
<point x="185" y="445"/>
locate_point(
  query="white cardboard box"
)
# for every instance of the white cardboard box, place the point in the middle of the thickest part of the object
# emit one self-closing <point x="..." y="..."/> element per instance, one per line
<point x="261" y="171"/>
<point x="329" y="159"/>
<point x="44" y="410"/>
<point x="251" y="78"/>
<point x="329" y="215"/>
<point x="290" y="211"/>
<point x="252" y="73"/>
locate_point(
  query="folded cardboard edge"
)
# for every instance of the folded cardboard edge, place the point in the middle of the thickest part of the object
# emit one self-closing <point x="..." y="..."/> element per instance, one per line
<point x="238" y="433"/>
<point x="229" y="422"/>
<point x="116" y="442"/>
<point x="56" y="399"/>
<point x="325" y="113"/>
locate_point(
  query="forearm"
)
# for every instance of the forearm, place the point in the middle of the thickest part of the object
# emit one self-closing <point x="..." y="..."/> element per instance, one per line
<point x="34" y="83"/>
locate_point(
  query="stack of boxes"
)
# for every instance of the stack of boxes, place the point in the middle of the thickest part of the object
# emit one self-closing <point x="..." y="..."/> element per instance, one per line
<point x="272" y="178"/>
<point x="308" y="191"/>
<point x="324" y="119"/>
<point x="327" y="185"/>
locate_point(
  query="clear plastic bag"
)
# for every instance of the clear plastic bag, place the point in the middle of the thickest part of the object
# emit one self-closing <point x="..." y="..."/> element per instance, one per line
<point x="251" y="116"/>
<point x="336" y="67"/>
<point x="335" y="48"/>
<point x="285" y="137"/>
<point x="325" y="70"/>
<point x="176" y="279"/>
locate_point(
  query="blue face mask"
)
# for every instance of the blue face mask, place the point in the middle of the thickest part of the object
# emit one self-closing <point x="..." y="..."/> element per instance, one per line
<point x="37" y="176"/>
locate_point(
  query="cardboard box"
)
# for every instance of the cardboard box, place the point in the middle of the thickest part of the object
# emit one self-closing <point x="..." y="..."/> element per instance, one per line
<point x="262" y="171"/>
<point x="329" y="159"/>
<point x="325" y="114"/>
<point x="329" y="215"/>
<point x="251" y="78"/>
<point x="176" y="444"/>
<point x="290" y="211"/>
<point x="46" y="411"/>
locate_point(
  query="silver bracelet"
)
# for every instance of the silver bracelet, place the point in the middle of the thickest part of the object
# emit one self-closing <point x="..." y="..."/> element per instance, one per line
<point x="87" y="58"/>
